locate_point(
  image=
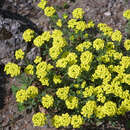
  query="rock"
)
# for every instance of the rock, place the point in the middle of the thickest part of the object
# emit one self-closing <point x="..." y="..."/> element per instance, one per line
<point x="107" y="13"/>
<point x="10" y="39"/>
<point x="33" y="53"/>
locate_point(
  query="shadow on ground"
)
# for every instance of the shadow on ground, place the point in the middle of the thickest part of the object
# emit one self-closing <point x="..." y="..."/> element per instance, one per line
<point x="24" y="21"/>
<point x="2" y="2"/>
<point x="3" y="81"/>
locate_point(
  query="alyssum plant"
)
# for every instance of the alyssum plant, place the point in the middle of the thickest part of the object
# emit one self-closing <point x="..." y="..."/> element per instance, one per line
<point x="82" y="74"/>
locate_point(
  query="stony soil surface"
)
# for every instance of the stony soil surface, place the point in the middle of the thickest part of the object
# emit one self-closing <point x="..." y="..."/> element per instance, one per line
<point x="15" y="17"/>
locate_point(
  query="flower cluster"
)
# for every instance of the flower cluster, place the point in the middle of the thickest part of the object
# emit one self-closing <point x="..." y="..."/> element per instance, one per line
<point x="98" y="44"/>
<point x="78" y="13"/>
<point x="127" y="44"/>
<point x="19" y="54"/>
<point x="47" y="101"/>
<point x="126" y="14"/>
<point x="29" y="69"/>
<point x="39" y="119"/>
<point x="107" y="31"/>
<point x="12" y="69"/>
<point x="22" y="95"/>
<point x="116" y="36"/>
<point x="28" y="35"/>
<point x="62" y="93"/>
<point x="49" y="11"/>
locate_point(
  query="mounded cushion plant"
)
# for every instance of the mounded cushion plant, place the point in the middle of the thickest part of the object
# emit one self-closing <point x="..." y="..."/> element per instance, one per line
<point x="82" y="74"/>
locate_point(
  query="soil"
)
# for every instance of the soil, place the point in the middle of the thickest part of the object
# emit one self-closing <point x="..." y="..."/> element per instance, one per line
<point x="108" y="11"/>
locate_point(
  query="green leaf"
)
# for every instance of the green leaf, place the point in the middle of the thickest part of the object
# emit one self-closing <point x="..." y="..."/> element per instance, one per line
<point x="128" y="124"/>
<point x="14" y="89"/>
<point x="99" y="123"/>
<point x="21" y="107"/>
<point x="23" y="87"/>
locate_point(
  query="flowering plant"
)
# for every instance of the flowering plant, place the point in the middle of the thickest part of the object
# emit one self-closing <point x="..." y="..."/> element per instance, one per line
<point x="83" y="71"/>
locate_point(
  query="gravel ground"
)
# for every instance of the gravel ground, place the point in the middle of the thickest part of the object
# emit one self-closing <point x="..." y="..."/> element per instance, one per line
<point x="21" y="14"/>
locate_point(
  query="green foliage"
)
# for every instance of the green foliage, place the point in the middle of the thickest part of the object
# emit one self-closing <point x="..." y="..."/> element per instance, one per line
<point x="21" y="107"/>
<point x="14" y="89"/>
<point x="127" y="29"/>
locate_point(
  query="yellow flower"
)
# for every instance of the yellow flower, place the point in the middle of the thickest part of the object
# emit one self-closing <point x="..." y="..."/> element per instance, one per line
<point x="56" y="33"/>
<point x="59" y="23"/>
<point x="44" y="81"/>
<point x="125" y="61"/>
<point x="62" y="93"/>
<point x="78" y="92"/>
<point x="116" y="36"/>
<point x="42" y="4"/>
<point x="80" y="26"/>
<point x="110" y="108"/>
<point x="46" y="36"/>
<point x="39" y="119"/>
<point x="98" y="44"/>
<point x="38" y="59"/>
<point x="72" y="23"/>
<point x="110" y="45"/>
<point x="59" y="42"/>
<point x="117" y="55"/>
<point x="65" y="16"/>
<point x="38" y="41"/>
<point x="126" y="14"/>
<point x="54" y="52"/>
<point x="57" y="79"/>
<point x="49" y="67"/>
<point x="127" y="44"/>
<point x="78" y="13"/>
<point x="28" y="35"/>
<point x="86" y="35"/>
<point x="103" y="73"/>
<point x="49" y="11"/>
<point x="12" y="69"/>
<point x="127" y="78"/>
<point x="101" y="98"/>
<point x="71" y="58"/>
<point x="71" y="102"/>
<point x="66" y="119"/>
<point x="99" y="112"/>
<point x="83" y="84"/>
<point x="86" y="57"/>
<point x="76" y="85"/>
<point x="41" y="69"/>
<point x="76" y="121"/>
<point x="32" y="91"/>
<point x="61" y="63"/>
<point x="57" y="121"/>
<point x="90" y="24"/>
<point x="19" y="54"/>
<point x="47" y="101"/>
<point x="105" y="29"/>
<point x="21" y="96"/>
<point x="74" y="71"/>
<point x="29" y="69"/>
<point x="88" y="109"/>
<point x="88" y="91"/>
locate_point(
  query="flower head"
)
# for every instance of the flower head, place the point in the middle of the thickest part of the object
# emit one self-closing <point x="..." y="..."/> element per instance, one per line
<point x="28" y="35"/>
<point x="47" y="101"/>
<point x="19" y="54"/>
<point x="49" y="11"/>
<point x="21" y="96"/>
<point x="78" y="13"/>
<point x="12" y="69"/>
<point x="39" y="119"/>
<point x="126" y="14"/>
